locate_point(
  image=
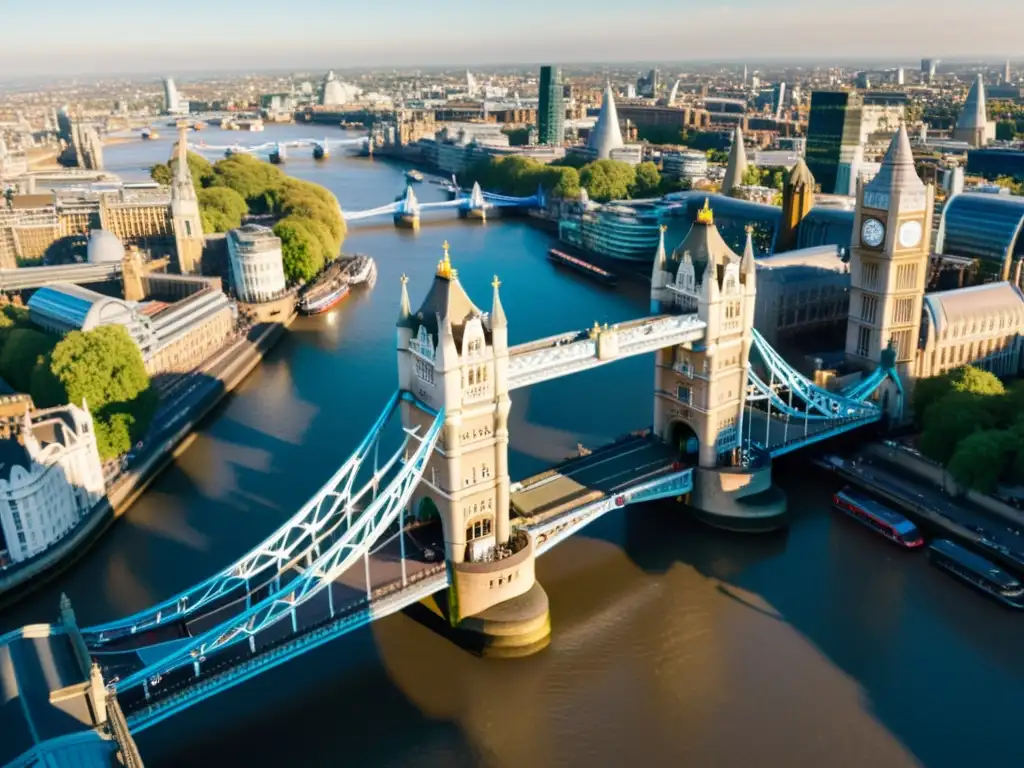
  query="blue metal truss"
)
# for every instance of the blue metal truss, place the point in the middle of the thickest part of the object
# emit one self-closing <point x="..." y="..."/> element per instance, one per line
<point x="354" y="543"/>
<point x="300" y="537"/>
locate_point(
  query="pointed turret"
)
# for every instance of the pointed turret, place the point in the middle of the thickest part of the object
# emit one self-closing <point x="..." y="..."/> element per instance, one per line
<point x="498" y="319"/>
<point x="737" y="166"/>
<point x="606" y="134"/>
<point x="660" y="276"/>
<point x="973" y="125"/>
<point x="747" y="262"/>
<point x="447" y="353"/>
<point x="897" y="176"/>
<point x="405" y="308"/>
<point x="182" y="185"/>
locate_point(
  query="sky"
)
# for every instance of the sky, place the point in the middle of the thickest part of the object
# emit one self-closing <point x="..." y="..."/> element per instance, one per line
<point x="49" y="37"/>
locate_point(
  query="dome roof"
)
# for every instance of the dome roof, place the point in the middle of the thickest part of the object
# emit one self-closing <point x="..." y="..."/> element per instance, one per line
<point x="104" y="247"/>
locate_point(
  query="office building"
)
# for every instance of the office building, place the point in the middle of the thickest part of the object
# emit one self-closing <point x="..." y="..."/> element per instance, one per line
<point x="257" y="269"/>
<point x="833" y="135"/>
<point x="647" y="85"/>
<point x="174" y="336"/>
<point x="551" y="107"/>
<point x="687" y="165"/>
<point x="928" y="69"/>
<point x="778" y="100"/>
<point x="173" y="103"/>
<point x="986" y="228"/>
<point x="50" y="477"/>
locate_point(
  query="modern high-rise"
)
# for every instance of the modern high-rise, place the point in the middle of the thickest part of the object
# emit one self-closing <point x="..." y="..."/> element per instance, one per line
<point x="778" y="99"/>
<point x="928" y="69"/>
<point x="833" y="135"/>
<point x="551" y="110"/>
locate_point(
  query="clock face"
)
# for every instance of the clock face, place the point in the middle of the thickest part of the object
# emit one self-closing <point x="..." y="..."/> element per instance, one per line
<point x="872" y="232"/>
<point x="910" y="234"/>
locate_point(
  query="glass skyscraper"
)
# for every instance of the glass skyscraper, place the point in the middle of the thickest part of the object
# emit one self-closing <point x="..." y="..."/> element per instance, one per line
<point x="833" y="135"/>
<point x="551" y="110"/>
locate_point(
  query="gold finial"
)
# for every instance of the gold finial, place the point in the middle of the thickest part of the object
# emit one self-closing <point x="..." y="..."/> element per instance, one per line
<point x="749" y="229"/>
<point x="404" y="279"/>
<point x="496" y="283"/>
<point x="705" y="215"/>
<point x="444" y="266"/>
<point x="663" y="229"/>
<point x="596" y="330"/>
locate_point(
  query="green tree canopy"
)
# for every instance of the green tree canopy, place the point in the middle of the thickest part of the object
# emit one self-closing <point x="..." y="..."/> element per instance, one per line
<point x="751" y="176"/>
<point x="949" y="420"/>
<point x="249" y="177"/>
<point x="607" y="180"/>
<point x="23" y="349"/>
<point x="982" y="457"/>
<point x="221" y="208"/>
<point x="199" y="166"/>
<point x="104" y="368"/>
<point x="648" y="180"/>
<point x="967" y="379"/>
<point x="301" y="250"/>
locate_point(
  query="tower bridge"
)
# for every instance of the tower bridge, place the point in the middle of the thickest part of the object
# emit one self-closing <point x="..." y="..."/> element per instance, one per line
<point x="724" y="404"/>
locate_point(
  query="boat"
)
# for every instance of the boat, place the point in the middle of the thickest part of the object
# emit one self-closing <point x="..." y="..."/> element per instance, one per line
<point x="878" y="517"/>
<point x="150" y="134"/>
<point x="977" y="571"/>
<point x="414" y="175"/>
<point x="581" y="266"/>
<point x="362" y="270"/>
<point x="323" y="298"/>
<point x="615" y="231"/>
<point x="990" y="545"/>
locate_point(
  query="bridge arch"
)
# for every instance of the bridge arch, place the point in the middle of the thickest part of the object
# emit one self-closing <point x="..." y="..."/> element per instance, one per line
<point x="683" y="438"/>
<point x="426" y="510"/>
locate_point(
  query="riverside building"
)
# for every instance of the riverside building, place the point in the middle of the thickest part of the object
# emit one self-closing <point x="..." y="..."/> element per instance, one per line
<point x="49" y="479"/>
<point x="257" y="268"/>
<point x="551" y="107"/>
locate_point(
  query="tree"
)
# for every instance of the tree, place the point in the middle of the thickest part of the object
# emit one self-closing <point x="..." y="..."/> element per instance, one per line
<point x="301" y="251"/>
<point x="249" y="177"/>
<point x="607" y="180"/>
<point x="751" y="176"/>
<point x="1006" y="130"/>
<point x="949" y="420"/>
<point x="966" y="379"/>
<point x="104" y="368"/>
<point x="982" y="457"/>
<point x="221" y="208"/>
<point x="648" y="180"/>
<point x="199" y="167"/>
<point x="23" y="348"/>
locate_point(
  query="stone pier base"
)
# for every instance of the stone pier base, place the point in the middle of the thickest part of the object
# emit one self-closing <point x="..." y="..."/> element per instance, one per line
<point x="480" y="214"/>
<point x="407" y="221"/>
<point x="518" y="627"/>
<point x="738" y="499"/>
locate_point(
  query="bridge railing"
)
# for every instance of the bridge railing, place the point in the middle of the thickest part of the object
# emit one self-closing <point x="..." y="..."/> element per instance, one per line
<point x="296" y="538"/>
<point x="283" y="602"/>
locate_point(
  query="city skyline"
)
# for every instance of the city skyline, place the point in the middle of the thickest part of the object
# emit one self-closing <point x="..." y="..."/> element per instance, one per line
<point x="191" y="35"/>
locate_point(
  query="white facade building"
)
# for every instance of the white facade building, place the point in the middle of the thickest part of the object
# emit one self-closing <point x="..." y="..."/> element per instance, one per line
<point x="687" y="165"/>
<point x="257" y="268"/>
<point x="50" y="477"/>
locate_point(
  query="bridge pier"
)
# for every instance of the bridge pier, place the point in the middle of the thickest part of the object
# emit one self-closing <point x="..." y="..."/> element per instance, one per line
<point x="407" y="220"/>
<point x="480" y="214"/>
<point x="453" y="356"/>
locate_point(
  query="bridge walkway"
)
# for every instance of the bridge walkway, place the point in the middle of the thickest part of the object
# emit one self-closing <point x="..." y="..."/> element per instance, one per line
<point x="780" y="434"/>
<point x="424" y="553"/>
<point x="583" y="480"/>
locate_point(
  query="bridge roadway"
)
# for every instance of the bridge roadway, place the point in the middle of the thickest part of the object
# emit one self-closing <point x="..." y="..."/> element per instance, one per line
<point x="583" y="480"/>
<point x="780" y="434"/>
<point x="424" y="554"/>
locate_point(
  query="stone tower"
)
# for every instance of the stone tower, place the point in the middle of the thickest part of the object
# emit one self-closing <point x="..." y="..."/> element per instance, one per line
<point x="797" y="201"/>
<point x="973" y="125"/>
<point x="889" y="262"/>
<point x="737" y="165"/>
<point x="132" y="273"/>
<point x="453" y="355"/>
<point x="700" y="389"/>
<point x="188" y="226"/>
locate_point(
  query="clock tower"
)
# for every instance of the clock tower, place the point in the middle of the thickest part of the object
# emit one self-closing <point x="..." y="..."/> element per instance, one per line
<point x="889" y="262"/>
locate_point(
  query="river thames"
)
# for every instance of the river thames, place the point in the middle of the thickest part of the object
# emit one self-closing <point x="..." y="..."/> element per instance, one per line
<point x="673" y="644"/>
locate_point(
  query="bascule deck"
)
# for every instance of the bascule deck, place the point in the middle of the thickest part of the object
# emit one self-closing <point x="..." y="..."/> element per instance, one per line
<point x="585" y="479"/>
<point x="781" y="435"/>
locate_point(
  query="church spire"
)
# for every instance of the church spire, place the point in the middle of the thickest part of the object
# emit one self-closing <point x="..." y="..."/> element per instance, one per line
<point x="973" y="125"/>
<point x="404" y="310"/>
<point x="737" y="166"/>
<point x="747" y="263"/>
<point x="182" y="186"/>
<point x="498" y="319"/>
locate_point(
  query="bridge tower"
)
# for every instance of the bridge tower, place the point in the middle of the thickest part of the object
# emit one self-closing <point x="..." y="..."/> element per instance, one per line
<point x="452" y="354"/>
<point x="889" y="268"/>
<point x="700" y="388"/>
<point x="185" y="219"/>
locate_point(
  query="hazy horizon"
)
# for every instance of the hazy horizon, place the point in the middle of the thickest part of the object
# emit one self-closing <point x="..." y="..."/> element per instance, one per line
<point x="126" y="36"/>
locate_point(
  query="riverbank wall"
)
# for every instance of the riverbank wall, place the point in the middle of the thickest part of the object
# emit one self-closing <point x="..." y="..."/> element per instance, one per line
<point x="45" y="566"/>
